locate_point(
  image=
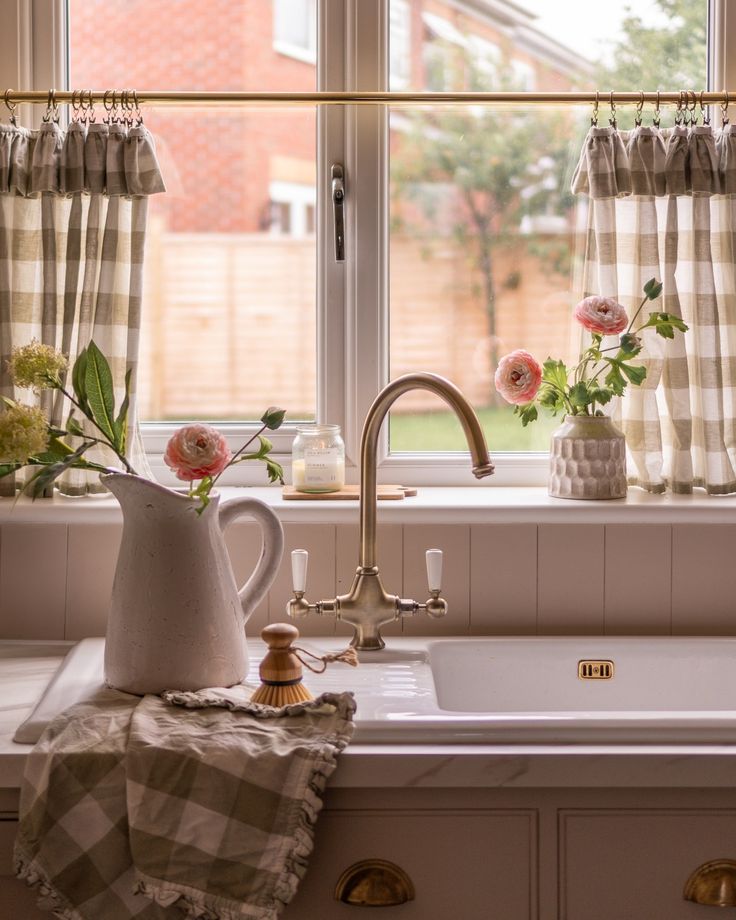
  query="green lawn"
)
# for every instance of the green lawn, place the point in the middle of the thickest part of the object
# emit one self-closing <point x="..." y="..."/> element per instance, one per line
<point x="438" y="431"/>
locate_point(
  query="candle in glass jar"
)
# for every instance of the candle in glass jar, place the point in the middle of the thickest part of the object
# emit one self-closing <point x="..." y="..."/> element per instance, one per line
<point x="318" y="459"/>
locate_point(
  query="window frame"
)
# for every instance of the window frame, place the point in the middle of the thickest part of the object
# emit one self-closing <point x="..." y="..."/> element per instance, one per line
<point x="299" y="52"/>
<point x="352" y="297"/>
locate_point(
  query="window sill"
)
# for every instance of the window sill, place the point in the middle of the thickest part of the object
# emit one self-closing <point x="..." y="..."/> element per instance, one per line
<point x="432" y="504"/>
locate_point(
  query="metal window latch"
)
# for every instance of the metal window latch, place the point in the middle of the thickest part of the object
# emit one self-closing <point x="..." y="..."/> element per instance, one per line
<point x="338" y="208"/>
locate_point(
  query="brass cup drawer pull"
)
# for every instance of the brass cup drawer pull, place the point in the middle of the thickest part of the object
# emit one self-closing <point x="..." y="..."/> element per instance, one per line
<point x="713" y="884"/>
<point x="374" y="883"/>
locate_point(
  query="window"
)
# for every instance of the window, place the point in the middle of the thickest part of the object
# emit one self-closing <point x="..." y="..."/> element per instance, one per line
<point x="400" y="44"/>
<point x="294" y="28"/>
<point x="483" y="229"/>
<point x="230" y="267"/>
<point x="293" y="208"/>
<point x="413" y="293"/>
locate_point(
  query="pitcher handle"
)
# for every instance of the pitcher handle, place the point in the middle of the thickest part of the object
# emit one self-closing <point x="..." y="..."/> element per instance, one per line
<point x="272" y="547"/>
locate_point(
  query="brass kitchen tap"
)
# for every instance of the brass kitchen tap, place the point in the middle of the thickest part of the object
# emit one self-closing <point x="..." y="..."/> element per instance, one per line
<point x="367" y="606"/>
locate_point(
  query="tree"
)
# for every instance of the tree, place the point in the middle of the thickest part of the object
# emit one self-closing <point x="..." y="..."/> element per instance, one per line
<point x="670" y="54"/>
<point x="488" y="168"/>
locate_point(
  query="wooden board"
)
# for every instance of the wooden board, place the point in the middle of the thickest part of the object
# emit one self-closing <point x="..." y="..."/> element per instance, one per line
<point x="385" y="493"/>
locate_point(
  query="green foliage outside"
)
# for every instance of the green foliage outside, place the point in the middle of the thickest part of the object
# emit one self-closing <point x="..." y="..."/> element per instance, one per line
<point x="441" y="431"/>
<point x="670" y="56"/>
<point x="506" y="164"/>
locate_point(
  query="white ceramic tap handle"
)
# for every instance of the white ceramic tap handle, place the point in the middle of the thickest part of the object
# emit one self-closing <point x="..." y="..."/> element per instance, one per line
<point x="434" y="569"/>
<point x="299" y="559"/>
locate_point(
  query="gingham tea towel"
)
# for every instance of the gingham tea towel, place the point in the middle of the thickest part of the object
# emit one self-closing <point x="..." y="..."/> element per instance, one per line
<point x="201" y="803"/>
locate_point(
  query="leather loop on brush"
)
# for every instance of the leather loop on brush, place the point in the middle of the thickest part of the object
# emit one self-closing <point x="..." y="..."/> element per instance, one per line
<point x="348" y="656"/>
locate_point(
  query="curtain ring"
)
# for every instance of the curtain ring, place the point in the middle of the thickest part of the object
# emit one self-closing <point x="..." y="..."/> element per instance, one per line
<point x="705" y="114"/>
<point x="91" y="114"/>
<point x="612" y="119"/>
<point x="724" y="110"/>
<point x="52" y="108"/>
<point x="678" y="111"/>
<point x="108" y="108"/>
<point x="76" y="106"/>
<point x="657" y="113"/>
<point x="639" y="108"/>
<point x="12" y="106"/>
<point x="691" y="107"/>
<point x="139" y="114"/>
<point x="594" y="116"/>
<point x="124" y="108"/>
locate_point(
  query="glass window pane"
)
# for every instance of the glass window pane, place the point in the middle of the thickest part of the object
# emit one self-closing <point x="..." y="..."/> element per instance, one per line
<point x="230" y="286"/>
<point x="483" y="225"/>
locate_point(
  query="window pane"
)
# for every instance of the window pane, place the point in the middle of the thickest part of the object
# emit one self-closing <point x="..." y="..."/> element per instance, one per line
<point x="230" y="287"/>
<point x="483" y="226"/>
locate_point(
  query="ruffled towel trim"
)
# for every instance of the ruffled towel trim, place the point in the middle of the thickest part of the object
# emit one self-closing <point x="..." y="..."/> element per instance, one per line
<point x="49" y="898"/>
<point x="192" y="901"/>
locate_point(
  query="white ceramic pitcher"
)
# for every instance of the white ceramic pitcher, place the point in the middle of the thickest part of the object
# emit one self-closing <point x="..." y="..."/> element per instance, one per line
<point x="177" y="619"/>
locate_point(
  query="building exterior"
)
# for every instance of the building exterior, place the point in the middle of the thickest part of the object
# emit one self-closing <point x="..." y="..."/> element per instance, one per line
<point x="239" y="214"/>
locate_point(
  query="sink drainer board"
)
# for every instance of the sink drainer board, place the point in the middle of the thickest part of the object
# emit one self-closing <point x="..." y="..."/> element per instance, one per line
<point x="505" y="690"/>
<point x="79" y="677"/>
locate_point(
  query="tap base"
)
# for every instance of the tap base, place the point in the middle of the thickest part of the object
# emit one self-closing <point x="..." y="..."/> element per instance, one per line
<point x="368" y="643"/>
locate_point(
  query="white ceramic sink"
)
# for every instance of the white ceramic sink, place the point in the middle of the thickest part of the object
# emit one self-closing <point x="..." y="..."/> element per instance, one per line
<point x="501" y="690"/>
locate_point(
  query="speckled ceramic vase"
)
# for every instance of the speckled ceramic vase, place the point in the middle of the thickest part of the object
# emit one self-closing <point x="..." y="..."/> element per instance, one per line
<point x="587" y="459"/>
<point x="177" y="618"/>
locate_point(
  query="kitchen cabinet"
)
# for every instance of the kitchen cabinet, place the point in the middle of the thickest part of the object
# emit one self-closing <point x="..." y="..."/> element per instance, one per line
<point x="494" y="854"/>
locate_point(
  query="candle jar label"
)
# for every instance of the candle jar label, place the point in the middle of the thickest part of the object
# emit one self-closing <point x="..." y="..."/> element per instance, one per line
<point x="323" y="466"/>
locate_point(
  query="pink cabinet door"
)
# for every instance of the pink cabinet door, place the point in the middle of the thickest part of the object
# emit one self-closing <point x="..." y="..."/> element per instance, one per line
<point x="633" y="865"/>
<point x="469" y="864"/>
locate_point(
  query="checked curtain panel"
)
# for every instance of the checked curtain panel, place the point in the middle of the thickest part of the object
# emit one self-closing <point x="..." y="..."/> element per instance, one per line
<point x="73" y="209"/>
<point x="662" y="204"/>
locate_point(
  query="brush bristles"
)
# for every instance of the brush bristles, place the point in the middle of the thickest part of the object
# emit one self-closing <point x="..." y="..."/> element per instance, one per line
<point x="274" y="695"/>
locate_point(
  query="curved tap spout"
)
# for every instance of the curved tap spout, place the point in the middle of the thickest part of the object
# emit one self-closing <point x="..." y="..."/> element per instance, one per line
<point x="482" y="465"/>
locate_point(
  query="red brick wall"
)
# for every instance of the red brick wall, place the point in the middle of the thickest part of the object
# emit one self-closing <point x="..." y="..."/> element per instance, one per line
<point x="222" y="155"/>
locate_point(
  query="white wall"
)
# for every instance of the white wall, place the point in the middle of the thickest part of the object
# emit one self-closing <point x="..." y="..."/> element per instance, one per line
<point x="499" y="578"/>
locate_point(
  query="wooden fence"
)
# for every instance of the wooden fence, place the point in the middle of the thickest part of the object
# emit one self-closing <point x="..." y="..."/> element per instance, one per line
<point x="229" y="321"/>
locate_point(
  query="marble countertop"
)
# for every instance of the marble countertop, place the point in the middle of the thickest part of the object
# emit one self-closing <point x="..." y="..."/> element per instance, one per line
<point x="27" y="666"/>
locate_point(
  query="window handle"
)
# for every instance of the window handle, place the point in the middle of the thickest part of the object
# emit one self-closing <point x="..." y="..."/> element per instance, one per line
<point x="338" y="208"/>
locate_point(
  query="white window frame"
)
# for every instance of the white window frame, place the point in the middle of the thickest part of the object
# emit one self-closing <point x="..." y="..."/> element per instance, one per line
<point x="400" y="36"/>
<point x="300" y="197"/>
<point x="352" y="296"/>
<point x="298" y="52"/>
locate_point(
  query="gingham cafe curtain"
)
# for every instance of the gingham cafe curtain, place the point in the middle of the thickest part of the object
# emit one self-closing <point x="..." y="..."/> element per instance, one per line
<point x="73" y="209"/>
<point x="662" y="203"/>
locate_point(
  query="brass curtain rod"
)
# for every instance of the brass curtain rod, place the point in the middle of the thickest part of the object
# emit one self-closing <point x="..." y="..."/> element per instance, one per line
<point x="156" y="97"/>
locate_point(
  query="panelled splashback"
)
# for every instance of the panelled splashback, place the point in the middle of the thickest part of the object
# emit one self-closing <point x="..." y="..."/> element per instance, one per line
<point x="510" y="578"/>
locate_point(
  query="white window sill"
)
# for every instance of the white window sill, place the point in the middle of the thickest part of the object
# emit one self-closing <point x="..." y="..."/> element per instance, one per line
<point x="298" y="52"/>
<point x="432" y="504"/>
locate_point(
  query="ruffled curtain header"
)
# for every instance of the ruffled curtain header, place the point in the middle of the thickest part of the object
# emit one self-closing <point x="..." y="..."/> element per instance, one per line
<point x="97" y="158"/>
<point x="649" y="161"/>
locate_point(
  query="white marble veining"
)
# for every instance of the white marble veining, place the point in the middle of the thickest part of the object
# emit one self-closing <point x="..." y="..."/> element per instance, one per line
<point x="404" y="680"/>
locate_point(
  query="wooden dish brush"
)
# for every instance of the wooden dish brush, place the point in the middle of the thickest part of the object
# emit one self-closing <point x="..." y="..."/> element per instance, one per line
<point x="281" y="668"/>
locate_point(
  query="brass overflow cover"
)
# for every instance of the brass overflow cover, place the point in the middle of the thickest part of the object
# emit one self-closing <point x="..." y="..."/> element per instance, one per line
<point x="595" y="669"/>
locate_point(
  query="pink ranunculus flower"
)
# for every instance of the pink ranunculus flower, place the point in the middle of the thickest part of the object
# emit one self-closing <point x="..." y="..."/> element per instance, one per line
<point x="518" y="377"/>
<point x="196" y="451"/>
<point x="601" y="314"/>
